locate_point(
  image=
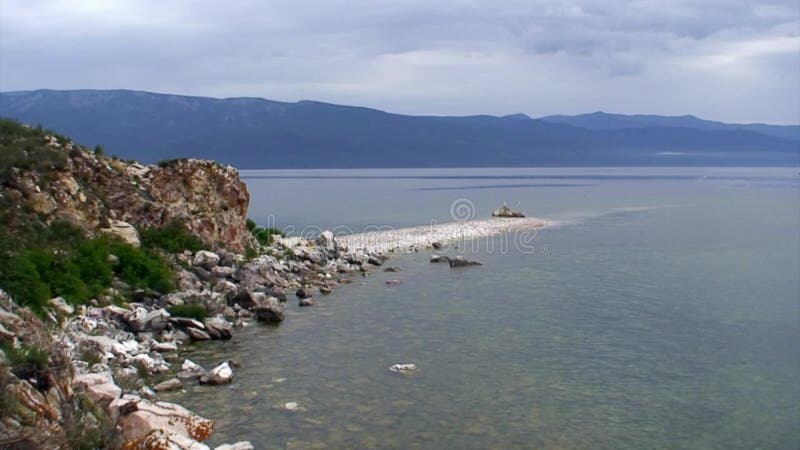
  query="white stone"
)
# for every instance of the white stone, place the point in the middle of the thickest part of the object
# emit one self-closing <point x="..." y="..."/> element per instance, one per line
<point x="206" y="259"/>
<point x="191" y="366"/>
<point x="124" y="231"/>
<point x="243" y="445"/>
<point x="221" y="374"/>
<point x="403" y="368"/>
<point x="291" y="406"/>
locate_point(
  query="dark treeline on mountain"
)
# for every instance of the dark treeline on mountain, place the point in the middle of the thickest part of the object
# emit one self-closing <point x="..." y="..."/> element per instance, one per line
<point x="259" y="133"/>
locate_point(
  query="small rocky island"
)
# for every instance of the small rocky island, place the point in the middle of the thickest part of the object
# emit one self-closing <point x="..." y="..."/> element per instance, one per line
<point x="506" y="211"/>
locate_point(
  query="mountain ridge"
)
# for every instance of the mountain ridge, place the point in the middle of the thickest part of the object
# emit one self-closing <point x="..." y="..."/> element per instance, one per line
<point x="252" y="132"/>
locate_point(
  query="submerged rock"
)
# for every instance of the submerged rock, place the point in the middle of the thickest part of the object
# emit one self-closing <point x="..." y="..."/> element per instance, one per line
<point x="305" y="302"/>
<point x="460" y="261"/>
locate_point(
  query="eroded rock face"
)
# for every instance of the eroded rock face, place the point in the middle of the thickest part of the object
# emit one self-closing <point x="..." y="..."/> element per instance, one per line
<point x="102" y="194"/>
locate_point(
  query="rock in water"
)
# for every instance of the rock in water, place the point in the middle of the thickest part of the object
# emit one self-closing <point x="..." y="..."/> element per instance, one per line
<point x="506" y="211"/>
<point x="403" y="368"/>
<point x="168" y="385"/>
<point x="438" y="258"/>
<point x="218" y="328"/>
<point x="303" y="293"/>
<point x="460" y="261"/>
<point x="268" y="309"/>
<point x="241" y="445"/>
<point x="218" y="375"/>
<point x="305" y="302"/>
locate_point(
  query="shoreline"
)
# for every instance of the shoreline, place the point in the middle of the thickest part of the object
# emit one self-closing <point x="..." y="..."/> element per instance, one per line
<point x="411" y="239"/>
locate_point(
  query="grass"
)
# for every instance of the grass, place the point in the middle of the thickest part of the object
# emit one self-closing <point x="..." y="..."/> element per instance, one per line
<point x="24" y="148"/>
<point x="190" y="311"/>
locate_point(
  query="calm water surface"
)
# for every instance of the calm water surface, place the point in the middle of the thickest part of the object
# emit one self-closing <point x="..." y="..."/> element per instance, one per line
<point x="662" y="312"/>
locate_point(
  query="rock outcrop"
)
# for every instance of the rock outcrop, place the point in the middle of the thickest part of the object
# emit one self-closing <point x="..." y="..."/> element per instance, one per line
<point x="107" y="195"/>
<point x="506" y="211"/>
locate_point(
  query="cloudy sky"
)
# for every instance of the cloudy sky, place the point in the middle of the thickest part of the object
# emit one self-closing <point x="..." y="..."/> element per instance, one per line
<point x="730" y="60"/>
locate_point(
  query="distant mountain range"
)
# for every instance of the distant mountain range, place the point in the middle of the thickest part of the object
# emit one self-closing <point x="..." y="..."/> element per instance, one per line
<point x="259" y="133"/>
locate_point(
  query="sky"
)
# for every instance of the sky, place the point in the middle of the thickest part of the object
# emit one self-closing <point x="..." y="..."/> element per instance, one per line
<point x="728" y="60"/>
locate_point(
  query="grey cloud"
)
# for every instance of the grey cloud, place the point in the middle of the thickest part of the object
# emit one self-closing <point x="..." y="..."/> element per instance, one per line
<point x="444" y="57"/>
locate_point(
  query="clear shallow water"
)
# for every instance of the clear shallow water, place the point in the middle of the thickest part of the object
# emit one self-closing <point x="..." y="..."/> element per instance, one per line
<point x="663" y="313"/>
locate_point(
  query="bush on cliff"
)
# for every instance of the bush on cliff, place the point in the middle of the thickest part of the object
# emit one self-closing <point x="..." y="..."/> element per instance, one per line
<point x="60" y="261"/>
<point x="264" y="235"/>
<point x="172" y="238"/>
<point x="26" y="148"/>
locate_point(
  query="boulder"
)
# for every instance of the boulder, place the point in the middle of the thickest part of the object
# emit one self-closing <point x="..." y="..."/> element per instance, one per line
<point x="439" y="258"/>
<point x="303" y="293"/>
<point x="205" y="259"/>
<point x="162" y="425"/>
<point x="506" y="211"/>
<point x="142" y="320"/>
<point x="171" y="384"/>
<point x="325" y="289"/>
<point x="197" y="334"/>
<point x="326" y="240"/>
<point x="222" y="271"/>
<point x="100" y="387"/>
<point x="268" y="309"/>
<point x="123" y="231"/>
<point x="218" y="328"/>
<point x="221" y="374"/>
<point x="244" y="298"/>
<point x="242" y="445"/>
<point x="305" y="302"/>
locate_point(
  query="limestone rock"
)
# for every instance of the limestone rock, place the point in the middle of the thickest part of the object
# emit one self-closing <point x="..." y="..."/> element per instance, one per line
<point x="171" y="384"/>
<point x="205" y="259"/>
<point x="143" y="320"/>
<point x="242" y="445"/>
<point x="403" y="368"/>
<point x="218" y="328"/>
<point x="123" y="231"/>
<point x="221" y="374"/>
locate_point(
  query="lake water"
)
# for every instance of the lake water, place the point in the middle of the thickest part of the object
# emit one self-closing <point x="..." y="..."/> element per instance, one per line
<point x="662" y="311"/>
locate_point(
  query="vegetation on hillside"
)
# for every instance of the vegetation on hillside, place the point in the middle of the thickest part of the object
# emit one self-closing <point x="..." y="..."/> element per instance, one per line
<point x="40" y="260"/>
<point x="24" y="148"/>
<point x="264" y="235"/>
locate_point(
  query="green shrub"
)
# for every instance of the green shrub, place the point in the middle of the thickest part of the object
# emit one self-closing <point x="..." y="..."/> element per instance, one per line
<point x="25" y="148"/>
<point x="19" y="277"/>
<point x="172" y="238"/>
<point x="170" y="161"/>
<point x="142" y="269"/>
<point x="264" y="235"/>
<point x="29" y="358"/>
<point x="197" y="312"/>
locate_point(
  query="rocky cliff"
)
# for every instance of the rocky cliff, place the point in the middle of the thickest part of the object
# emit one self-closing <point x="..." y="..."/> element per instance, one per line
<point x="98" y="193"/>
